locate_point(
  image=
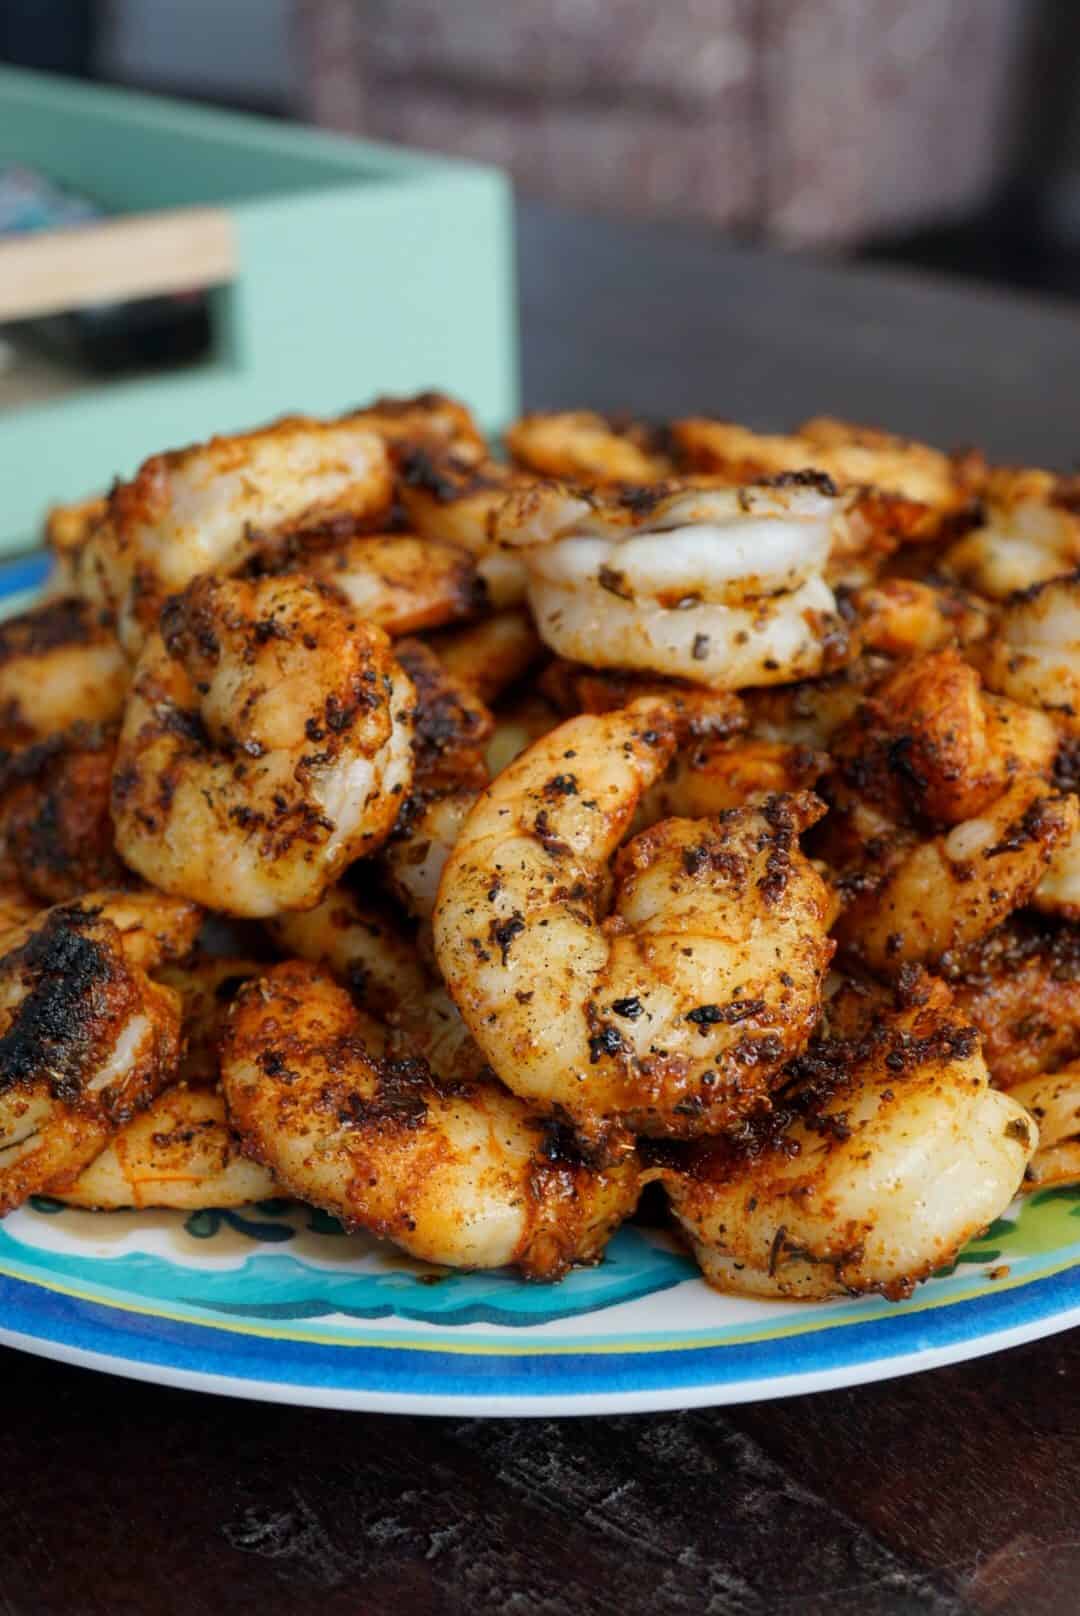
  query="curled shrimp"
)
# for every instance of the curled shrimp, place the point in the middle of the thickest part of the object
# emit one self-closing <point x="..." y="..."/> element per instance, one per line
<point x="87" y="1038"/>
<point x="208" y="507"/>
<point x="452" y="496"/>
<point x="1034" y="656"/>
<point x="60" y="664"/>
<point x="880" y="1159"/>
<point x="912" y="899"/>
<point x="1030" y="533"/>
<point x="905" y="617"/>
<point x="206" y="984"/>
<point x="931" y="744"/>
<point x="1020" y="986"/>
<point x="891" y="488"/>
<point x="673" y="1014"/>
<point x="366" y="949"/>
<point x="395" y="580"/>
<point x="707" y="777"/>
<point x="723" y="587"/>
<point x="56" y="831"/>
<point x="456" y="1174"/>
<point x="430" y="418"/>
<point x="1052" y="1100"/>
<point x="67" y="529"/>
<point x="266" y="745"/>
<point x="181" y="1152"/>
<point x="492" y="654"/>
<point x="586" y="447"/>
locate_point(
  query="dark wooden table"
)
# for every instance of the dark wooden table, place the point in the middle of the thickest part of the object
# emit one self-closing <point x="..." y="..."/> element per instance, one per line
<point x="952" y="1492"/>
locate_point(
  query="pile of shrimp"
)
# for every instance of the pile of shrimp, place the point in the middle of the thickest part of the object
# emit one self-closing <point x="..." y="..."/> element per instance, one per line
<point x="477" y="840"/>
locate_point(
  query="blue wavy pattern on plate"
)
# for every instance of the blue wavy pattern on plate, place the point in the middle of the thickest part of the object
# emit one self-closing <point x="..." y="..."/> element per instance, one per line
<point x="273" y="1285"/>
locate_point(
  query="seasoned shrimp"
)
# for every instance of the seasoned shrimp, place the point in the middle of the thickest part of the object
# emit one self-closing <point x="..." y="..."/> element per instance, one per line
<point x="903" y="617"/>
<point x="931" y="744"/>
<point x="415" y="856"/>
<point x="67" y="528"/>
<point x="56" y="831"/>
<point x="1020" y="985"/>
<point x="723" y="587"/>
<point x="911" y="899"/>
<point x="266" y="745"/>
<point x="492" y="654"/>
<point x="587" y="447"/>
<point x="454" y="497"/>
<point x="1034" y="656"/>
<point x="461" y="1175"/>
<point x="207" y="984"/>
<point x="366" y="949"/>
<point x="60" y="664"/>
<point x="705" y="778"/>
<point x="810" y="713"/>
<point x="430" y="418"/>
<point x="892" y="489"/>
<point x="1030" y="532"/>
<point x="208" y="507"/>
<point x="883" y="1156"/>
<point x="402" y="583"/>
<point x="88" y="1040"/>
<point x="1052" y="1100"/>
<point x="452" y="726"/>
<point x="697" y="713"/>
<point x="180" y="1153"/>
<point x="675" y="1013"/>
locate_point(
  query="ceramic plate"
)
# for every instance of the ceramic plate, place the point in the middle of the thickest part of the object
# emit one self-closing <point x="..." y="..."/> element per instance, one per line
<point x="276" y="1302"/>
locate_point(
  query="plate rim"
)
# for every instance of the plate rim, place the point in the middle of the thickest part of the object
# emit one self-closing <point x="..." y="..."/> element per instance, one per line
<point x="551" y="1405"/>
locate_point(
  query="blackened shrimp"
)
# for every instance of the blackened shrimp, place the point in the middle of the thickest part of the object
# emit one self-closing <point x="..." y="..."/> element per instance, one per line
<point x="266" y="745"/>
<point x="676" y="1012"/>
<point x="911" y="898"/>
<point x="399" y="582"/>
<point x="56" y="831"/>
<point x="1052" y="1100"/>
<point x="1034" y="655"/>
<point x="367" y="950"/>
<point x="86" y="1038"/>
<point x="181" y="1152"/>
<point x="587" y="447"/>
<point x="60" y="664"/>
<point x="208" y="507"/>
<point x="1020" y="986"/>
<point x="723" y="587"/>
<point x="883" y="1156"/>
<point x="453" y="497"/>
<point x="891" y="489"/>
<point x="456" y="1174"/>
<point x="67" y="529"/>
<point x="492" y="654"/>
<point x="1029" y="532"/>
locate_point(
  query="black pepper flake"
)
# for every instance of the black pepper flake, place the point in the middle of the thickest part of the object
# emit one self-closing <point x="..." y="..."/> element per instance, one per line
<point x="503" y="933"/>
<point x="630" y="1008"/>
<point x="608" y="1041"/>
<point x="700" y="649"/>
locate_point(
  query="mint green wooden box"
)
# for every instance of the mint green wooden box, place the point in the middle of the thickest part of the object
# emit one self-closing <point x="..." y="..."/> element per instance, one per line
<point x="345" y="268"/>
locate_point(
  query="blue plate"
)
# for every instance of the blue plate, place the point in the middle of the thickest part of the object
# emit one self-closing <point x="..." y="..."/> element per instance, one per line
<point x="276" y="1302"/>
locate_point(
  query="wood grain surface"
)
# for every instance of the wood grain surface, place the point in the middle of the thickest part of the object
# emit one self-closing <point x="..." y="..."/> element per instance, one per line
<point x="952" y="1493"/>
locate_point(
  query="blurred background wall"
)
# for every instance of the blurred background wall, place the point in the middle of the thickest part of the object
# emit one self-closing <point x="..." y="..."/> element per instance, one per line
<point x="934" y="130"/>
